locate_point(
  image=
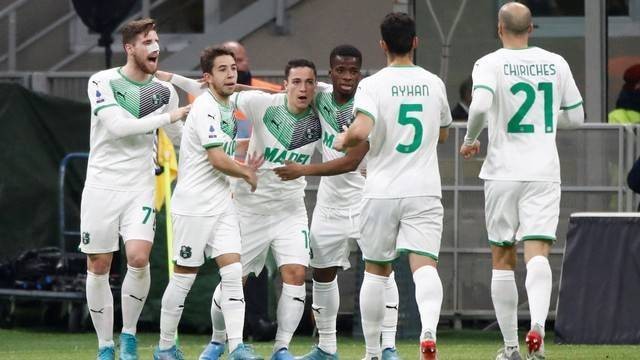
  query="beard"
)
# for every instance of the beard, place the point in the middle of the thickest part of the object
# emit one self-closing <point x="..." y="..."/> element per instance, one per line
<point x="143" y="64"/>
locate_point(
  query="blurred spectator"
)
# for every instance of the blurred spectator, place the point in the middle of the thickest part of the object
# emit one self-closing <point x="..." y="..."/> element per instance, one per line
<point x="627" y="109"/>
<point x="461" y="111"/>
<point x="245" y="78"/>
<point x="633" y="178"/>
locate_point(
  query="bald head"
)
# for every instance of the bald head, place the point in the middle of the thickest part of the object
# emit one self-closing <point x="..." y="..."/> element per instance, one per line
<point x="242" y="61"/>
<point x="515" y="18"/>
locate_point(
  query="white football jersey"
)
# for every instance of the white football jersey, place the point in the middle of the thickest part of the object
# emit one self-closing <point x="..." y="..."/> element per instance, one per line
<point x="279" y="135"/>
<point x="338" y="191"/>
<point x="409" y="106"/>
<point x="530" y="87"/>
<point x="125" y="163"/>
<point x="201" y="189"/>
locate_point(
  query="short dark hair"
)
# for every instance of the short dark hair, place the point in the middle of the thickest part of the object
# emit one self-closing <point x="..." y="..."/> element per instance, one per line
<point x="209" y="55"/>
<point x="297" y="63"/>
<point x="135" y="27"/>
<point x="398" y="31"/>
<point x="345" y="51"/>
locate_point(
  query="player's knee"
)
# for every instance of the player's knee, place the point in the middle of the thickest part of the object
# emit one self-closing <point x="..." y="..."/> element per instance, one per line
<point x="325" y="275"/>
<point x="137" y="260"/>
<point x="504" y="262"/>
<point x="98" y="264"/>
<point x="293" y="274"/>
<point x="185" y="269"/>
<point x="503" y="257"/>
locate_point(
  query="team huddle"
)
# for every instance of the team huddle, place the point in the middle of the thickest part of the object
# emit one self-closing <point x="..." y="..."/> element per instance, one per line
<point x="238" y="213"/>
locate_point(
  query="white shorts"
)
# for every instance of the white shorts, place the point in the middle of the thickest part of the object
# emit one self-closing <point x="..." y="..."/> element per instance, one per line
<point x="285" y="233"/>
<point x="334" y="233"/>
<point x="106" y="213"/>
<point x="392" y="226"/>
<point x="518" y="210"/>
<point x="197" y="238"/>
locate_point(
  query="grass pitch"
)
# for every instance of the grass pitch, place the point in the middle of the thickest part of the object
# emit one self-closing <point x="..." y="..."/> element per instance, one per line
<point x="27" y="344"/>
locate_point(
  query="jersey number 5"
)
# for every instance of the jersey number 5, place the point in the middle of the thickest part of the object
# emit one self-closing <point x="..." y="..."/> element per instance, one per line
<point x="514" y="125"/>
<point x="405" y="119"/>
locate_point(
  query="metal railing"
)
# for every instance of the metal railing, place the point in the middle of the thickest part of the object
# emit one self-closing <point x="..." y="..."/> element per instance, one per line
<point x="10" y="12"/>
<point x="594" y="162"/>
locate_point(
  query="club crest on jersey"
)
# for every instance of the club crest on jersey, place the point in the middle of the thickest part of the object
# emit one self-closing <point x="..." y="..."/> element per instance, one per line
<point x="155" y="99"/>
<point x="311" y="134"/>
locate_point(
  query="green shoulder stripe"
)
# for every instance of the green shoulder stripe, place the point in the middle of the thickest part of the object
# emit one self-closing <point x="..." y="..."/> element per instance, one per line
<point x="95" y="112"/>
<point x="484" y="87"/>
<point x="446" y="126"/>
<point x="212" y="145"/>
<point x="366" y="113"/>
<point x="569" y="107"/>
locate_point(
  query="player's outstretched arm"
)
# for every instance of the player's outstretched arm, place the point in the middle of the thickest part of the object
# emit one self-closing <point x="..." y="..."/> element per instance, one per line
<point x="193" y="87"/>
<point x="223" y="163"/>
<point x="356" y="133"/>
<point x="571" y="118"/>
<point x="480" y="105"/>
<point x="342" y="165"/>
<point x="120" y="126"/>
<point x="243" y="87"/>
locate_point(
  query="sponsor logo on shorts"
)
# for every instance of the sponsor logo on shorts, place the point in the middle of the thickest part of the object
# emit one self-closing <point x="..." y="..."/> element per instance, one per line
<point x="86" y="238"/>
<point x="185" y="252"/>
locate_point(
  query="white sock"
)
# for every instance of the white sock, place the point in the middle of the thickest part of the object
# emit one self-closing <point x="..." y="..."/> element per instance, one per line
<point x="504" y="294"/>
<point x="134" y="291"/>
<point x="372" y="310"/>
<point x="429" y="298"/>
<point x="538" y="284"/>
<point x="172" y="306"/>
<point x="100" y="303"/>
<point x="232" y="303"/>
<point x="326" y="300"/>
<point x="289" y="313"/>
<point x="390" y="322"/>
<point x="219" y="334"/>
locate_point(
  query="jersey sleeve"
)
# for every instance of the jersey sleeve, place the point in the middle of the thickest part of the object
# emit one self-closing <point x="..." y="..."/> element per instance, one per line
<point x="364" y="101"/>
<point x="445" y="111"/>
<point x="484" y="75"/>
<point x="173" y="130"/>
<point x="323" y="87"/>
<point x="207" y="125"/>
<point x="193" y="87"/>
<point x="100" y="94"/>
<point x="570" y="97"/>
<point x="249" y="102"/>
